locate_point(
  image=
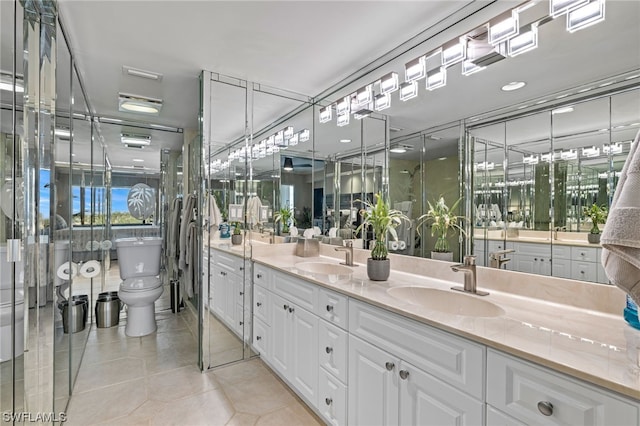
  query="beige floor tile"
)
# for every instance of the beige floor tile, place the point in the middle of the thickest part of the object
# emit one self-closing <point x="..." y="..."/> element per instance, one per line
<point x="109" y="373"/>
<point x="286" y="416"/>
<point x="179" y="383"/>
<point x="249" y="370"/>
<point x="260" y="396"/>
<point x="207" y="408"/>
<point x="243" y="419"/>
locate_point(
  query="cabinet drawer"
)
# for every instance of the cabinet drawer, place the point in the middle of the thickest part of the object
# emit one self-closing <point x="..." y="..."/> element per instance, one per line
<point x="332" y="344"/>
<point x="584" y="271"/>
<point x="261" y="338"/>
<point x="561" y="252"/>
<point x="229" y="262"/>
<point x="525" y="391"/>
<point x="532" y="249"/>
<point x="584" y="254"/>
<point x="262" y="305"/>
<point x="295" y="290"/>
<point x="498" y="418"/>
<point x="262" y="276"/>
<point x="332" y="399"/>
<point x="452" y="359"/>
<point x="333" y="307"/>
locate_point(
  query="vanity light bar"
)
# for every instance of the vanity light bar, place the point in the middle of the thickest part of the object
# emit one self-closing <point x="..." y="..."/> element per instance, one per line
<point x="531" y="159"/>
<point x="342" y="107"/>
<point x="279" y="138"/>
<point x="570" y="154"/>
<point x="590" y="152"/>
<point x="364" y="96"/>
<point x="382" y="101"/>
<point x="305" y="135"/>
<point x="503" y="27"/>
<point x="415" y="69"/>
<point x="524" y="42"/>
<point x="486" y="165"/>
<point x="288" y="132"/>
<point x="560" y="7"/>
<point x="614" y="148"/>
<point x="408" y="90"/>
<point x="325" y="114"/>
<point x="343" y="120"/>
<point x="389" y="83"/>
<point x="293" y="140"/>
<point x="585" y="16"/>
<point x="436" y="78"/>
<point x="454" y="51"/>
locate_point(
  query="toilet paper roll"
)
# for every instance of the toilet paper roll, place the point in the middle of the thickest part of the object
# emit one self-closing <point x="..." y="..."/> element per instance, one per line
<point x="402" y="245"/>
<point x="67" y="271"/>
<point x="92" y="245"/>
<point x="394" y="245"/>
<point x="90" y="269"/>
<point x="106" y="245"/>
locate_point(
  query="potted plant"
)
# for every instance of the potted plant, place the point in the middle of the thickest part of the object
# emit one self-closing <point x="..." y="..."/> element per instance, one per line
<point x="597" y="214"/>
<point x="444" y="222"/>
<point x="285" y="216"/>
<point x="383" y="220"/>
<point x="236" y="237"/>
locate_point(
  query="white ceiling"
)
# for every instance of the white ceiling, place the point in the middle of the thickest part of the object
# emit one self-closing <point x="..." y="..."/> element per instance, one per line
<point x="308" y="46"/>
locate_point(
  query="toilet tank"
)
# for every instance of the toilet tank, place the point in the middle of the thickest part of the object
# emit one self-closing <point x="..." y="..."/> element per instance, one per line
<point x="139" y="257"/>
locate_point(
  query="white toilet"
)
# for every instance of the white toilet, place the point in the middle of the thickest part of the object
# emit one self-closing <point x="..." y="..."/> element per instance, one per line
<point x="139" y="262"/>
<point x="5" y="308"/>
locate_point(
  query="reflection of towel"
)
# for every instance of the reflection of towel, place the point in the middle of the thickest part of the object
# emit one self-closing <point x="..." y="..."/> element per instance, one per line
<point x="621" y="236"/>
<point x="188" y="214"/>
<point x="189" y="281"/>
<point x="308" y="233"/>
<point x="174" y="233"/>
<point x="214" y="216"/>
<point x="317" y="231"/>
<point x="333" y="232"/>
<point x="253" y="210"/>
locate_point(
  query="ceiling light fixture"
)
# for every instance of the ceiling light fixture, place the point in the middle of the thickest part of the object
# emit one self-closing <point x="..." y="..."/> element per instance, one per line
<point x="288" y="164"/>
<point x="325" y="114"/>
<point x="454" y="51"/>
<point x="343" y="120"/>
<point x="562" y="110"/>
<point x="345" y="140"/>
<point x="525" y="41"/>
<point x="531" y="159"/>
<point x="305" y="135"/>
<point x="486" y="165"/>
<point x="585" y="16"/>
<point x="135" y="141"/>
<point x="436" y="78"/>
<point x="570" y="154"/>
<point x="382" y="101"/>
<point x="364" y="96"/>
<point x="408" y="90"/>
<point x="293" y="140"/>
<point x="415" y="69"/>
<point x="514" y="85"/>
<point x="503" y="27"/>
<point x="614" y="148"/>
<point x="560" y="7"/>
<point x="398" y="149"/>
<point x="288" y="132"/>
<point x="139" y="104"/>
<point x="342" y="107"/>
<point x="389" y="83"/>
<point x="138" y="160"/>
<point x="136" y="72"/>
<point x="590" y="152"/>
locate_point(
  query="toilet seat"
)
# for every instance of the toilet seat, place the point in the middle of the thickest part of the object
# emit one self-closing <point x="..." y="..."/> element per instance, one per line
<point x="140" y="284"/>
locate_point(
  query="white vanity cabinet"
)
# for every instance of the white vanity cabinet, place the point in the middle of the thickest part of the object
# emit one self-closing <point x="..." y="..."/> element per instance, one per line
<point x="230" y="291"/>
<point x="532" y="394"/>
<point x="532" y="258"/>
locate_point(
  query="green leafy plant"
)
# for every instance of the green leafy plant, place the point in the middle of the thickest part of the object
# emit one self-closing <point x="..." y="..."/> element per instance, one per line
<point x="383" y="220"/>
<point x="443" y="222"/>
<point x="597" y="214"/>
<point x="284" y="215"/>
<point x="237" y="229"/>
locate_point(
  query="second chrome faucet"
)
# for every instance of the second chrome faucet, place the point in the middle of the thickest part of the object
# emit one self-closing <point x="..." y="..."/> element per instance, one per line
<point x="468" y="267"/>
<point x="348" y="251"/>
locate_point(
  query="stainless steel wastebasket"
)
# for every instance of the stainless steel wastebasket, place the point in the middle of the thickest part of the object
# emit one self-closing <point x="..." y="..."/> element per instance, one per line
<point x="107" y="309"/>
<point x="73" y="315"/>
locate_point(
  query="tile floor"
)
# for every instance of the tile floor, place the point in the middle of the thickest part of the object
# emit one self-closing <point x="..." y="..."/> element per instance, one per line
<point x="154" y="380"/>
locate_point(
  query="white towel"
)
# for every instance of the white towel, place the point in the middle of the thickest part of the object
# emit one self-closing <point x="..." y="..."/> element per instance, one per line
<point x="333" y="232"/>
<point x="214" y="215"/>
<point x="253" y="210"/>
<point x="188" y="213"/>
<point x="308" y="233"/>
<point x="621" y="235"/>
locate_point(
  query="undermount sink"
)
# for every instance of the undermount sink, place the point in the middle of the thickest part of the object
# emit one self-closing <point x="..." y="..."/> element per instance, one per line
<point x="450" y="302"/>
<point x="324" y="270"/>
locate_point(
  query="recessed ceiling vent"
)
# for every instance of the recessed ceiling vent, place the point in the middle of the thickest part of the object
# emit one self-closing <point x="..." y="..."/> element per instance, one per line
<point x="137" y="72"/>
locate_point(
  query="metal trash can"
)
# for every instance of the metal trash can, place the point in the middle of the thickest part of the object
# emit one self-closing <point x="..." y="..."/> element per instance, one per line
<point x="176" y="300"/>
<point x="107" y="309"/>
<point x="73" y="314"/>
<point x="84" y="297"/>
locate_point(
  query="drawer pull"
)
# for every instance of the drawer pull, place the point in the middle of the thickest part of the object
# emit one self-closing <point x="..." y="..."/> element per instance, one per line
<point x="545" y="407"/>
<point x="291" y="310"/>
<point x="285" y="307"/>
<point x="258" y="337"/>
<point x="404" y="374"/>
<point x="242" y="268"/>
<point x="328" y="349"/>
<point x="390" y="366"/>
<point x="329" y="308"/>
<point x="241" y="293"/>
<point x="258" y="304"/>
<point x="328" y="401"/>
<point x="259" y="276"/>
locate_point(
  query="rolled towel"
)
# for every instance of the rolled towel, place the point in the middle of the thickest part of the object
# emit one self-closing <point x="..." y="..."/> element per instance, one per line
<point x="621" y="235"/>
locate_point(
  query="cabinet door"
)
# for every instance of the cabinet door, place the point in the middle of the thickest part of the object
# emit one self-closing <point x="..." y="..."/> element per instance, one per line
<point x="279" y="334"/>
<point x="261" y="338"/>
<point x="373" y="385"/>
<point x="219" y="294"/>
<point x="332" y="399"/>
<point x="526" y="263"/>
<point x="261" y="306"/>
<point x="303" y="347"/>
<point x="425" y="400"/>
<point x="544" y="266"/>
<point x="231" y="287"/>
<point x="498" y="418"/>
<point x="561" y="268"/>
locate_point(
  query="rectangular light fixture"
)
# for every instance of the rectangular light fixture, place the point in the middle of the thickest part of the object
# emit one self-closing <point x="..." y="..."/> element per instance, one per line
<point x="436" y="78"/>
<point x="408" y="90"/>
<point x="469" y="67"/>
<point x="590" y="152"/>
<point x="546" y="157"/>
<point x="135" y="140"/>
<point x="525" y="41"/>
<point x="454" y="51"/>
<point x="364" y="96"/>
<point x="382" y="101"/>
<point x="570" y="154"/>
<point x="293" y="140"/>
<point x="503" y="27"/>
<point x="362" y="113"/>
<point x="279" y="139"/>
<point x="531" y="159"/>
<point x="415" y="69"/>
<point x="585" y="16"/>
<point x="288" y="132"/>
<point x="485" y="165"/>
<point x="343" y="120"/>
<point x="389" y="83"/>
<point x="325" y="114"/>
<point x="614" y="148"/>
<point x="305" y="135"/>
<point x="139" y="104"/>
<point x="136" y="72"/>
<point x="560" y="7"/>
<point x="343" y="106"/>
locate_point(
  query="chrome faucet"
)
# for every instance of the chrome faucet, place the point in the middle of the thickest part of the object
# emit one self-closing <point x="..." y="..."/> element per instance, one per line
<point x="468" y="267"/>
<point x="348" y="251"/>
<point x="269" y="235"/>
<point x="496" y="260"/>
<point x="558" y="228"/>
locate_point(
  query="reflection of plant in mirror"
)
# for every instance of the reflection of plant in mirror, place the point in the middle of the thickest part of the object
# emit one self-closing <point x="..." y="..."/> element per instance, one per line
<point x="237" y="228"/>
<point x="284" y="215"/>
<point x="383" y="220"/>
<point x="443" y="219"/>
<point x="597" y="214"/>
<point x="305" y="218"/>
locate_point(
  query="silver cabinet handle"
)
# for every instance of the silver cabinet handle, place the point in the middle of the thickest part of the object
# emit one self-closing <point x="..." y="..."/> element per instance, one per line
<point x="241" y="293"/>
<point x="258" y="304"/>
<point x="258" y="338"/>
<point x="291" y="310"/>
<point x="328" y="349"/>
<point x="404" y="374"/>
<point x="285" y="307"/>
<point x="242" y="268"/>
<point x="329" y="308"/>
<point x="328" y="401"/>
<point x="389" y="366"/>
<point x="259" y="276"/>
<point x="545" y="407"/>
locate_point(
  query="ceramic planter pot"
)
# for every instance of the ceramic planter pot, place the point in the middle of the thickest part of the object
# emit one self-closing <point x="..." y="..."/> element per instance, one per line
<point x="593" y="238"/>
<point x="438" y="255"/>
<point x="236" y="240"/>
<point x="378" y="270"/>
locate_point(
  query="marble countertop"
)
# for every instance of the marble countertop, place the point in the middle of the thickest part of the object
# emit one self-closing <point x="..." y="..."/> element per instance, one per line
<point x="592" y="345"/>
